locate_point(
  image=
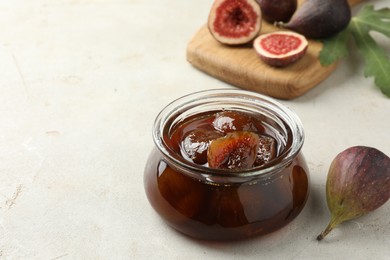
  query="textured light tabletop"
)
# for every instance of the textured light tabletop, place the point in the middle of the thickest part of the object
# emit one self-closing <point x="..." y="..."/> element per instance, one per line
<point x="81" y="83"/>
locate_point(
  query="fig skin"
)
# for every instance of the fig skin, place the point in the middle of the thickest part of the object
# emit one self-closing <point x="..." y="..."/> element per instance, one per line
<point x="234" y="22"/>
<point x="358" y="182"/>
<point x="277" y="10"/>
<point x="196" y="143"/>
<point x="230" y="121"/>
<point x="319" y="19"/>
<point x="282" y="59"/>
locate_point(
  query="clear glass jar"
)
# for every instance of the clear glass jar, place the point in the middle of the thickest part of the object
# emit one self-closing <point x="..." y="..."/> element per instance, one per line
<point x="220" y="204"/>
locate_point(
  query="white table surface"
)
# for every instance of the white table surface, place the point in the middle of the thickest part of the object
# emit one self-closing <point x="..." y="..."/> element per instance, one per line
<point x="81" y="83"/>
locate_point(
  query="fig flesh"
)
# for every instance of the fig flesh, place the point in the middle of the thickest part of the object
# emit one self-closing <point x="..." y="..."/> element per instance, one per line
<point x="237" y="150"/>
<point x="280" y="49"/>
<point x="234" y="22"/>
<point x="319" y="18"/>
<point x="358" y="182"/>
<point x="267" y="150"/>
<point x="277" y="10"/>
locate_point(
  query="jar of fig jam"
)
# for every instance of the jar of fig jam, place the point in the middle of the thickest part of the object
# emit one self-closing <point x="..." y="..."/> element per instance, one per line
<point x="227" y="165"/>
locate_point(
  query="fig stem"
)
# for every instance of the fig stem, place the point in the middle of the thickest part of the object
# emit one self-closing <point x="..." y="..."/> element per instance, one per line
<point x="278" y="24"/>
<point x="334" y="221"/>
<point x="325" y="232"/>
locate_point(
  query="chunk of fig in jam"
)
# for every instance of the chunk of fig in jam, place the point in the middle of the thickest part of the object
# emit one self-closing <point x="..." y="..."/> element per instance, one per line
<point x="229" y="121"/>
<point x="267" y="150"/>
<point x="196" y="143"/>
<point x="236" y="150"/>
<point x="231" y="151"/>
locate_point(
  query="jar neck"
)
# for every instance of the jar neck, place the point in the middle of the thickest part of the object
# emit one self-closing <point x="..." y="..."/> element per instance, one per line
<point x="285" y="123"/>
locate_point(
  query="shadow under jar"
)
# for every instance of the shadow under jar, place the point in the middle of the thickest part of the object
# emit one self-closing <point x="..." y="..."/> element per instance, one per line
<point x="226" y="204"/>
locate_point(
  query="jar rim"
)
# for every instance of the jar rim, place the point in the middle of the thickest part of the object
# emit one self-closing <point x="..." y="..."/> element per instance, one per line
<point x="182" y="104"/>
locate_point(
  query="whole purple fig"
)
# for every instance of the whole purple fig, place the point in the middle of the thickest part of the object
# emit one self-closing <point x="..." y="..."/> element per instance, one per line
<point x="320" y="18"/>
<point x="277" y="10"/>
<point x="358" y="182"/>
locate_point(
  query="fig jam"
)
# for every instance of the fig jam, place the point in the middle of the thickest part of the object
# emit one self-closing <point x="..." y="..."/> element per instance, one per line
<point x="226" y="203"/>
<point x="193" y="136"/>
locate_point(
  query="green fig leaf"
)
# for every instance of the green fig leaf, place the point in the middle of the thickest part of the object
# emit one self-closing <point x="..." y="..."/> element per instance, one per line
<point x="377" y="20"/>
<point x="335" y="48"/>
<point x="377" y="61"/>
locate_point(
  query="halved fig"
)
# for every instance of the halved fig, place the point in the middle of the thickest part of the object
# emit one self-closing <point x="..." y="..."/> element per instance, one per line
<point x="234" y="22"/>
<point x="280" y="48"/>
<point x="237" y="150"/>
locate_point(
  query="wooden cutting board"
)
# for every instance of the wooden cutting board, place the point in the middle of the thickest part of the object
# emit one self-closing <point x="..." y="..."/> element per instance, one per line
<point x="241" y="67"/>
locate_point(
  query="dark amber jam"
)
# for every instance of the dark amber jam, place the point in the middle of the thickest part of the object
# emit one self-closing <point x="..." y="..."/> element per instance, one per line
<point x="239" y="197"/>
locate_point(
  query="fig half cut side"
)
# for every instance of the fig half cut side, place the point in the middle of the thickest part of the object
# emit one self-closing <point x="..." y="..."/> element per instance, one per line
<point x="280" y="48"/>
<point x="234" y="22"/>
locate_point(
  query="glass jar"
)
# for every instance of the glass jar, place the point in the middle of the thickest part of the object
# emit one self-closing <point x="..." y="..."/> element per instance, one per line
<point x="221" y="204"/>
